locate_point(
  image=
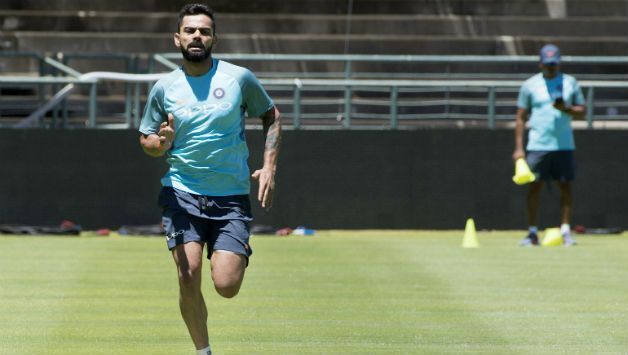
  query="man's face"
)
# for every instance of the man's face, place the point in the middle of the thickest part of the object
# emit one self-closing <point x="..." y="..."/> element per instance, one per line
<point x="549" y="70"/>
<point x="195" y="38"/>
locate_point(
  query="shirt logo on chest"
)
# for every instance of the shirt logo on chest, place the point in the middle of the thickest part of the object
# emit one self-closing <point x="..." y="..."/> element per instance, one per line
<point x="219" y="93"/>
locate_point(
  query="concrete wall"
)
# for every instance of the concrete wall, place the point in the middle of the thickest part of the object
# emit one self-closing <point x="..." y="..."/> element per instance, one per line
<point x="327" y="179"/>
<point x="437" y="7"/>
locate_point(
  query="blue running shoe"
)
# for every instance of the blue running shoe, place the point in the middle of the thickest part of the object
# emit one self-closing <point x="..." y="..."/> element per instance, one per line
<point x="529" y="241"/>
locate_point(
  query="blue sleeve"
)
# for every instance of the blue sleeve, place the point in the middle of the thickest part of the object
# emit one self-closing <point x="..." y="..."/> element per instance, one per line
<point x="154" y="113"/>
<point x="256" y="100"/>
<point x="524" y="98"/>
<point x="578" y="97"/>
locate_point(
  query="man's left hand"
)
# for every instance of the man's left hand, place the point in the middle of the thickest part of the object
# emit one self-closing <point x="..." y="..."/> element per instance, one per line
<point x="266" y="179"/>
<point x="560" y="106"/>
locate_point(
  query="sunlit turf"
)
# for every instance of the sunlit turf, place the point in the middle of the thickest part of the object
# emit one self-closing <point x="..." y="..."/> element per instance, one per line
<point x="338" y="292"/>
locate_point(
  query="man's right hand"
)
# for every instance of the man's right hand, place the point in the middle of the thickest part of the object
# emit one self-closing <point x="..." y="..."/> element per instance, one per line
<point x="158" y="144"/>
<point x="166" y="133"/>
<point x="518" y="153"/>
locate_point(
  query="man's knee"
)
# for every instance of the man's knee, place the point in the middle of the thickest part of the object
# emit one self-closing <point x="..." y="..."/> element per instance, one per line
<point x="189" y="272"/>
<point x="227" y="282"/>
<point x="227" y="290"/>
<point x="190" y="280"/>
<point x="227" y="272"/>
<point x="189" y="261"/>
<point x="189" y="276"/>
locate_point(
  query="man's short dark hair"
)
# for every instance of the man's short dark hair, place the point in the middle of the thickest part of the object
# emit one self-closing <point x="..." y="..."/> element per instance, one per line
<point x="196" y="9"/>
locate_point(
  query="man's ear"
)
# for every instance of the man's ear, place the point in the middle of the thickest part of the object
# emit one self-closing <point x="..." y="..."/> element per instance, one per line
<point x="177" y="42"/>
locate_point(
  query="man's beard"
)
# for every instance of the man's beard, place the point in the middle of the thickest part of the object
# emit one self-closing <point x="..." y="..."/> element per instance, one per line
<point x="196" y="57"/>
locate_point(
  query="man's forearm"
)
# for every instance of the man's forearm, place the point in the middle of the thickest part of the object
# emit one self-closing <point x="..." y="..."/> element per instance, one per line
<point x="518" y="134"/>
<point x="272" y="130"/>
<point x="576" y="112"/>
<point x="519" y="128"/>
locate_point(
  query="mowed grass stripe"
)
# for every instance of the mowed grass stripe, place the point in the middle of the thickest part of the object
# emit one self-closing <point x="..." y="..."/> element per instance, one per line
<point x="90" y="295"/>
<point x="355" y="287"/>
<point x="338" y="292"/>
<point x="542" y="300"/>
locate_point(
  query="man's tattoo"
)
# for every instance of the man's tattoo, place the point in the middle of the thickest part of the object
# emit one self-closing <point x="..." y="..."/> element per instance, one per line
<point x="272" y="131"/>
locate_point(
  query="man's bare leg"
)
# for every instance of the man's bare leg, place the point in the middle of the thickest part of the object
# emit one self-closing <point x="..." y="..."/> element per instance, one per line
<point x="227" y="272"/>
<point x="566" y="201"/>
<point x="533" y="201"/>
<point x="189" y="260"/>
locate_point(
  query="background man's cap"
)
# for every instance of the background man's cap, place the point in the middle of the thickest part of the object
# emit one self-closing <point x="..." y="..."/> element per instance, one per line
<point x="550" y="54"/>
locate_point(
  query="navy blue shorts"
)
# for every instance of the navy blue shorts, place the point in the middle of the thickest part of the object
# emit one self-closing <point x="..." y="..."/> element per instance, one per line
<point x="222" y="222"/>
<point x="558" y="165"/>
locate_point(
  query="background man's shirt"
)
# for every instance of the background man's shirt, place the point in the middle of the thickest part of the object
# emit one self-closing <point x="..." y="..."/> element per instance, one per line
<point x="550" y="129"/>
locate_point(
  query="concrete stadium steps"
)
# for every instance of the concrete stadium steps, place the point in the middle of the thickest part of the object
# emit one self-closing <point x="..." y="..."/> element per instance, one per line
<point x="20" y="66"/>
<point x="454" y="25"/>
<point x="134" y="42"/>
<point x="17" y="105"/>
<point x="110" y="110"/>
<point x="498" y="7"/>
<point x="431" y="7"/>
<point x="422" y="27"/>
<point x="105" y="21"/>
<point x="134" y="32"/>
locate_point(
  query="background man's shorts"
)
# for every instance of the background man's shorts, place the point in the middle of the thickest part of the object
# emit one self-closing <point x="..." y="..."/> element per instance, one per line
<point x="220" y="221"/>
<point x="557" y="165"/>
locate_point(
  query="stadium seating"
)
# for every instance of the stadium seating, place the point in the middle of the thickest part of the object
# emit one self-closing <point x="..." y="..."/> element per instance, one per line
<point x="432" y="27"/>
<point x="319" y="26"/>
<point x="481" y="27"/>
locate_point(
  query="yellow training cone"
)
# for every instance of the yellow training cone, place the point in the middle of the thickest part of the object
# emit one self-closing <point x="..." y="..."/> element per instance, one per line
<point x="552" y="237"/>
<point x="470" y="239"/>
<point x="523" y="175"/>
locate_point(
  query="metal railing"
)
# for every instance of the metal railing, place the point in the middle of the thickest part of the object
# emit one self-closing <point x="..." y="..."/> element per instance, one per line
<point x="348" y="63"/>
<point x="353" y="80"/>
<point x="392" y="102"/>
<point x="393" y="88"/>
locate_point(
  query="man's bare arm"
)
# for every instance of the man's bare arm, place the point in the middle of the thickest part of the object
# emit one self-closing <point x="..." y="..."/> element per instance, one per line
<point x="577" y="112"/>
<point x="271" y="122"/>
<point x="157" y="144"/>
<point x="520" y="121"/>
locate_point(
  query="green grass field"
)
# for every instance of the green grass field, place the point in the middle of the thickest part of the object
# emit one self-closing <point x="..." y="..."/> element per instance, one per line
<point x="339" y="292"/>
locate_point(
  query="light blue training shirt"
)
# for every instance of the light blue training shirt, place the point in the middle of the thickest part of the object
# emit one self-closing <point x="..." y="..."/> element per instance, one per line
<point x="550" y="129"/>
<point x="209" y="153"/>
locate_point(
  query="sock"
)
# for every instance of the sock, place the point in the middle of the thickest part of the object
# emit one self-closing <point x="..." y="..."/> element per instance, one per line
<point x="206" y="351"/>
<point x="565" y="229"/>
<point x="533" y="230"/>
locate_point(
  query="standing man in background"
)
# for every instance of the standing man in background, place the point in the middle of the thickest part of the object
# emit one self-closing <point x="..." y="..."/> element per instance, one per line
<point x="195" y="116"/>
<point x="551" y="99"/>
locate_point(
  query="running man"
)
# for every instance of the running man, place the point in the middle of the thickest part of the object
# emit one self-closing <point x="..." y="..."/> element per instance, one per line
<point x="195" y="116"/>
